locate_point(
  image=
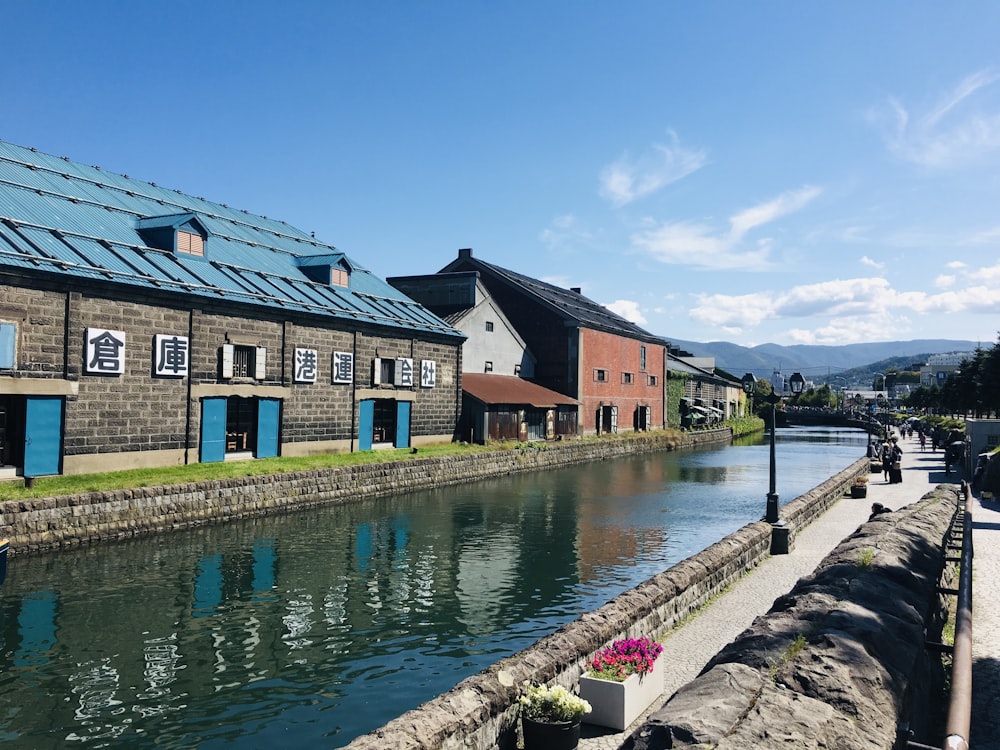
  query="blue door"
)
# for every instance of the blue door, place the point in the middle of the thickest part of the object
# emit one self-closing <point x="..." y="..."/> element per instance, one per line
<point x="213" y="430"/>
<point x="403" y="424"/>
<point x="366" y="424"/>
<point x="268" y="421"/>
<point x="42" y="435"/>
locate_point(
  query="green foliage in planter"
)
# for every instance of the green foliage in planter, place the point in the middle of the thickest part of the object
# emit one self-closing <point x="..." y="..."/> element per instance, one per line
<point x="554" y="703"/>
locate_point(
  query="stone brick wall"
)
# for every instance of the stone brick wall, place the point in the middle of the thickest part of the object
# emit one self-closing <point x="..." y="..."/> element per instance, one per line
<point x="129" y="412"/>
<point x="50" y="523"/>
<point x="44" y="312"/>
<point x="321" y="411"/>
<point x="135" y="419"/>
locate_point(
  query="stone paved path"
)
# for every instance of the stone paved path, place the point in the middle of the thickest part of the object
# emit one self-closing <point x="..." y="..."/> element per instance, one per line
<point x="689" y="648"/>
<point x="985" y="731"/>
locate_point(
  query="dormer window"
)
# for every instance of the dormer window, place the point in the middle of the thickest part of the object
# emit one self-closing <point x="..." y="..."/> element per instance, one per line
<point x="183" y="234"/>
<point x="333" y="269"/>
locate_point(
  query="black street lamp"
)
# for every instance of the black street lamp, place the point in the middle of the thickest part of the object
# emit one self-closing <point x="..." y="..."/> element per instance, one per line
<point x="796" y="383"/>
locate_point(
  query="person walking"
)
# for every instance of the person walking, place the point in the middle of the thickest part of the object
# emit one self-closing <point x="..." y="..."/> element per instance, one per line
<point x="895" y="463"/>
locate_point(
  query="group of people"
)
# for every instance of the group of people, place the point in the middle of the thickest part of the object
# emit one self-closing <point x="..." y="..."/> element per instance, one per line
<point x="891" y="456"/>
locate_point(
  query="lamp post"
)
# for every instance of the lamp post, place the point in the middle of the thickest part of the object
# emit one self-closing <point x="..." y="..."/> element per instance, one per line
<point x="796" y="383"/>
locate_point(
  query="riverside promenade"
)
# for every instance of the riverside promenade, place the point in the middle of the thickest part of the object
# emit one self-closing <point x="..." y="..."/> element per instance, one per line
<point x="688" y="649"/>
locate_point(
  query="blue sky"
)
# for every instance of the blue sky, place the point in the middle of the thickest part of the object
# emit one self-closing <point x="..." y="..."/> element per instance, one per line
<point x="787" y="172"/>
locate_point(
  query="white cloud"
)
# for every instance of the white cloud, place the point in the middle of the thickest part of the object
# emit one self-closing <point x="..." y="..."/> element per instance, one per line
<point x="954" y="132"/>
<point x="945" y="281"/>
<point x="628" y="310"/>
<point x="845" y="310"/>
<point x="702" y="246"/>
<point x="986" y="274"/>
<point x="626" y="179"/>
<point x="866" y="261"/>
<point x="786" y="203"/>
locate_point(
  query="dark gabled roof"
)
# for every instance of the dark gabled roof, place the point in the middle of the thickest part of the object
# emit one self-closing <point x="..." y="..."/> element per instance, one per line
<point x="64" y="218"/>
<point x="508" y="389"/>
<point x="569" y="304"/>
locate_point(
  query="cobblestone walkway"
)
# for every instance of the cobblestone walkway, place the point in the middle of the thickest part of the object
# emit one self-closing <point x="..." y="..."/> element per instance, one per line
<point x="689" y="648"/>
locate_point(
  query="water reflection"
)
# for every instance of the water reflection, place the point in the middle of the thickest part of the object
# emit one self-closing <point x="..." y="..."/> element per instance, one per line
<point x="312" y="628"/>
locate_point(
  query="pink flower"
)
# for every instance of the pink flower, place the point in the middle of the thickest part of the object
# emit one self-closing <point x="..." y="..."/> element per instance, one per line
<point x="625" y="657"/>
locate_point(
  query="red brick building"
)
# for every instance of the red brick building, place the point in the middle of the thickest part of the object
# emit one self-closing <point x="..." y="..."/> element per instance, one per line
<point x="614" y="368"/>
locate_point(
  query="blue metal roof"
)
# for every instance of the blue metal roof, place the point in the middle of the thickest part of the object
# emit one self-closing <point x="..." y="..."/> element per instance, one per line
<point x="61" y="217"/>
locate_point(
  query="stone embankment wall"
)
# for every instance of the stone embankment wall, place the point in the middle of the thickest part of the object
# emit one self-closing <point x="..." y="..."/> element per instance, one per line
<point x="481" y="711"/>
<point x="840" y="661"/>
<point x="36" y="524"/>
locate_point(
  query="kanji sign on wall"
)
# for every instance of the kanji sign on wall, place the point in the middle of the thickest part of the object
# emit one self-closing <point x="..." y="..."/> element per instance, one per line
<point x="404" y="372"/>
<point x="105" y="352"/>
<point x="306" y="365"/>
<point x="343" y="367"/>
<point x="171" y="355"/>
<point x="428" y="373"/>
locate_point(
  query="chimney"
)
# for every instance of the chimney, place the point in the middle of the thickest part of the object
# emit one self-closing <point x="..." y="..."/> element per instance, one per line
<point x="465" y="253"/>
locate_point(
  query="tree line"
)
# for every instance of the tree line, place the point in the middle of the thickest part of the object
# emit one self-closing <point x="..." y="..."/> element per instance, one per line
<point x="974" y="388"/>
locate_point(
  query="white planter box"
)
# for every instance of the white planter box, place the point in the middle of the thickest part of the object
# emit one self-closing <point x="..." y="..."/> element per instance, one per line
<point x="618" y="704"/>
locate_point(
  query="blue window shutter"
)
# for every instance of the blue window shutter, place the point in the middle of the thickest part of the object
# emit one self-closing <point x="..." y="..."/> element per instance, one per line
<point x="8" y="338"/>
<point x="42" y="435"/>
<point x="403" y="424"/>
<point x="213" y="430"/>
<point x="366" y="424"/>
<point x="268" y="422"/>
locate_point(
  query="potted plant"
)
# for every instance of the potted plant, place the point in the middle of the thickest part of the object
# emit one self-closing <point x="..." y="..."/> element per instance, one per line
<point x="550" y="718"/>
<point x="622" y="680"/>
<point x="859" y="488"/>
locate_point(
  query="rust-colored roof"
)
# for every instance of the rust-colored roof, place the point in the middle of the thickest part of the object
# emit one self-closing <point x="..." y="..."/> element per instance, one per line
<point x="508" y="389"/>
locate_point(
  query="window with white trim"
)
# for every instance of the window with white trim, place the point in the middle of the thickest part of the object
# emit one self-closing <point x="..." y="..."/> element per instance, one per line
<point x="242" y="361"/>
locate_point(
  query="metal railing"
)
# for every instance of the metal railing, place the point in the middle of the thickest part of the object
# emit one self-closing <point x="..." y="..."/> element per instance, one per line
<point x="960" y="704"/>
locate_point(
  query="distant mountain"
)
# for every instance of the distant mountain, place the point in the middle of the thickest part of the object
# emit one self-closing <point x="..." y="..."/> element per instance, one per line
<point x="817" y="362"/>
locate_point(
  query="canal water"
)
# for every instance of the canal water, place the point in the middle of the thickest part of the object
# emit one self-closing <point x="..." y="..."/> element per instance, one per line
<point x="312" y="628"/>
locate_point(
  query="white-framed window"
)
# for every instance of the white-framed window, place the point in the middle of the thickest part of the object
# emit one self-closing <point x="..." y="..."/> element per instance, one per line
<point x="386" y="371"/>
<point x="383" y="371"/>
<point x="627" y="378"/>
<point x="600" y="375"/>
<point x="642" y="358"/>
<point x="243" y="361"/>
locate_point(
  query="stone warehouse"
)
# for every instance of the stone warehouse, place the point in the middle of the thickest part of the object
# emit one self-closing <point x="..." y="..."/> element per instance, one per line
<point x="143" y="327"/>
